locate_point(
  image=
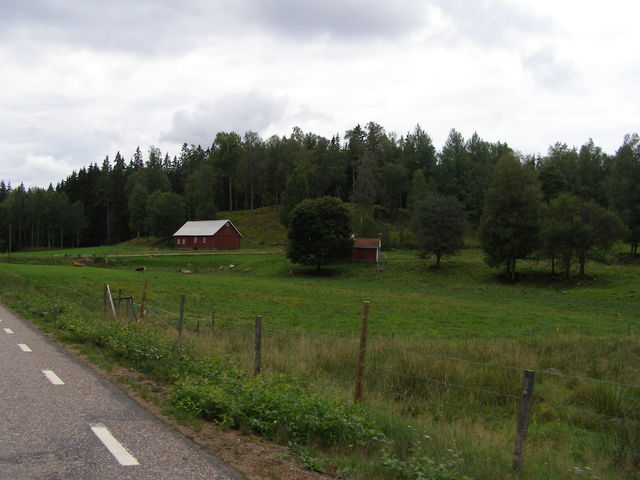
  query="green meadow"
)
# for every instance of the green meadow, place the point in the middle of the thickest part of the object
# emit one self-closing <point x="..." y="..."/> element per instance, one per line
<point x="408" y="298"/>
<point x="445" y="347"/>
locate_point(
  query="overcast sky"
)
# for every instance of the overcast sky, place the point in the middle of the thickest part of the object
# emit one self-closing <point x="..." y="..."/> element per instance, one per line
<point x="80" y="79"/>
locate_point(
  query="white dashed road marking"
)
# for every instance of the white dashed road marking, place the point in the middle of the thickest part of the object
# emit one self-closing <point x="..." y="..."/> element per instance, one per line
<point x="53" y="378"/>
<point x="24" y="347"/>
<point x="8" y="330"/>
<point x="114" y="446"/>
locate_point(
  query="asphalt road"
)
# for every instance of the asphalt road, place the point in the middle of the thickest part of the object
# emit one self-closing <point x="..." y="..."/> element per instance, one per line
<point x="60" y="420"/>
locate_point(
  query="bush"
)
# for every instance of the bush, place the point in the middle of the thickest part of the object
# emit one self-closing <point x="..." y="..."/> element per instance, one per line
<point x="272" y="406"/>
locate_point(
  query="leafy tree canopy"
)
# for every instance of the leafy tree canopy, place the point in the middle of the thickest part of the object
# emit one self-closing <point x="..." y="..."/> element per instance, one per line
<point x="438" y="224"/>
<point x="624" y="188"/>
<point x="574" y="228"/>
<point x="165" y="214"/>
<point x="509" y="223"/>
<point x="319" y="232"/>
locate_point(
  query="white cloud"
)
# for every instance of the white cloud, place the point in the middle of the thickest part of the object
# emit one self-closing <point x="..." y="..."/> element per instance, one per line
<point x="150" y="26"/>
<point x="162" y="27"/>
<point x="81" y="80"/>
<point x="235" y="112"/>
<point x="339" y="18"/>
<point x="45" y="169"/>
<point x="547" y="70"/>
<point x="492" y="23"/>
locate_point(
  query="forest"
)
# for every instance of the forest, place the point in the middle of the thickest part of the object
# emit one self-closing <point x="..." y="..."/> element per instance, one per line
<point x="153" y="193"/>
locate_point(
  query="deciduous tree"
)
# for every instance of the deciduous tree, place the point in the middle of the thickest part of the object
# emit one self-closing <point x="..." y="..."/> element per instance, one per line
<point x="319" y="232"/>
<point x="509" y="223"/>
<point x="624" y="188"/>
<point x="299" y="187"/>
<point x="438" y="224"/>
<point x="165" y="214"/>
<point x="574" y="228"/>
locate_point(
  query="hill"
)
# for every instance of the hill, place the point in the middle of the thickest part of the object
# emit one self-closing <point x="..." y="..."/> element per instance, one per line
<point x="261" y="227"/>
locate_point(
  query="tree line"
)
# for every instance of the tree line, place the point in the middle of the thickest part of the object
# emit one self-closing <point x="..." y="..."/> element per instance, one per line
<point x="152" y="193"/>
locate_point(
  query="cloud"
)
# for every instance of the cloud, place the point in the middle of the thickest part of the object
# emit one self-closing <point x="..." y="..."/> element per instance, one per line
<point x="339" y="18"/>
<point x="40" y="170"/>
<point x="237" y="112"/>
<point x="161" y="27"/>
<point x="145" y="26"/>
<point x="490" y="22"/>
<point x="547" y="70"/>
<point x="166" y="27"/>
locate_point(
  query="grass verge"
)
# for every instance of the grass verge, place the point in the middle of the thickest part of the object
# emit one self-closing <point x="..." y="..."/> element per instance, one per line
<point x="434" y="412"/>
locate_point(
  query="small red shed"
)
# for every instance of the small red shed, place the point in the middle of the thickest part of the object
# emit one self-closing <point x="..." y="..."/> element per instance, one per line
<point x="208" y="234"/>
<point x="366" y="250"/>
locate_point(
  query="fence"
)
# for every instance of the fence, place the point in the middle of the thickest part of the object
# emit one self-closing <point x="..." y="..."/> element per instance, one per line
<point x="437" y="382"/>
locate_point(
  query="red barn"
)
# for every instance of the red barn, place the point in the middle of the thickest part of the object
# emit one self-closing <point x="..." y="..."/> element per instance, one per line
<point x="366" y="250"/>
<point x="208" y="234"/>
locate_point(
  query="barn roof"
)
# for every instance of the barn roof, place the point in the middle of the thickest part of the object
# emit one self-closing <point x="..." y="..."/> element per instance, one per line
<point x="203" y="228"/>
<point x="366" y="243"/>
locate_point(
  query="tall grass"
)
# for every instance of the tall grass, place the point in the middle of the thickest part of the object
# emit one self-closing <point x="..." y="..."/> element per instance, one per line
<point x="445" y="399"/>
<point x="421" y="394"/>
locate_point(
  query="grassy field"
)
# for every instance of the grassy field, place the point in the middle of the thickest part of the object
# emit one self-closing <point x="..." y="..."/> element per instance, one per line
<point x="423" y="322"/>
<point x="408" y="298"/>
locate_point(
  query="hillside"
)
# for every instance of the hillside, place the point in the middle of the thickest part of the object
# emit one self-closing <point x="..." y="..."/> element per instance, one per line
<point x="261" y="227"/>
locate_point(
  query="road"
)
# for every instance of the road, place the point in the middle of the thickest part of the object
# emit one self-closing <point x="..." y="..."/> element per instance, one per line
<point x="60" y="420"/>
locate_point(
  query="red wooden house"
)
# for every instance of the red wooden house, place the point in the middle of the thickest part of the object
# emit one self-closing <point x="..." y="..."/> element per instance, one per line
<point x="208" y="234"/>
<point x="366" y="250"/>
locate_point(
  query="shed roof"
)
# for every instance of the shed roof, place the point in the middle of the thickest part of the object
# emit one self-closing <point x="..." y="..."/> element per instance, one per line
<point x="203" y="228"/>
<point x="366" y="243"/>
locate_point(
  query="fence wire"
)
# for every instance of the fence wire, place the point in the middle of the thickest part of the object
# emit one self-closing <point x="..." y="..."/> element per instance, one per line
<point x="459" y="387"/>
<point x="457" y="410"/>
<point x="455" y="359"/>
<point x="589" y="379"/>
<point x="161" y="314"/>
<point x="584" y="411"/>
<point x="155" y="305"/>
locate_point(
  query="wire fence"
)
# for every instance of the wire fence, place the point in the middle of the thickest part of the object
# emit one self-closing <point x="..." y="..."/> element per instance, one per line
<point x="202" y="319"/>
<point x="467" y="387"/>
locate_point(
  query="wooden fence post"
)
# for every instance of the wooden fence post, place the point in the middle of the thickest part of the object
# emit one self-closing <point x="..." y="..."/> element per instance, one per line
<point x="132" y="309"/>
<point x="198" y="326"/>
<point x="524" y="411"/>
<point x="119" y="302"/>
<point x="109" y="300"/>
<point x="213" y="319"/>
<point x="104" y="302"/>
<point x="357" y="396"/>
<point x="258" y="338"/>
<point x="181" y="318"/>
<point x="144" y="298"/>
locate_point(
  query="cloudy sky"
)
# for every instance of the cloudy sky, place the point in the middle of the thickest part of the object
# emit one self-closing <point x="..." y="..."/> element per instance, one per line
<point x="80" y="79"/>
